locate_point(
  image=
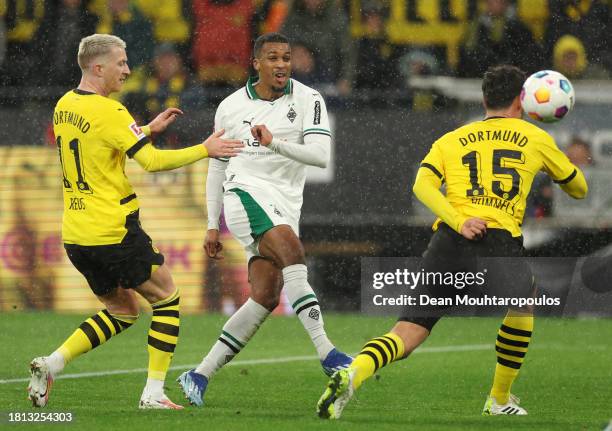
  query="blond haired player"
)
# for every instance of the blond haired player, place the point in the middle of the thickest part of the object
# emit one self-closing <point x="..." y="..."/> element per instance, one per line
<point x="100" y="230"/>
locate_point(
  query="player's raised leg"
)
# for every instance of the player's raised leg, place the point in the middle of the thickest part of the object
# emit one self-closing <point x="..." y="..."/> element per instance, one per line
<point x="375" y="354"/>
<point x="511" y="347"/>
<point x="285" y="249"/>
<point x="266" y="282"/>
<point x="164" y="298"/>
<point x="120" y="313"/>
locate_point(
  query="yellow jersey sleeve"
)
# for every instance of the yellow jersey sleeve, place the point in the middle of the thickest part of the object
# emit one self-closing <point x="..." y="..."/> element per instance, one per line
<point x="152" y="159"/>
<point x="555" y="162"/>
<point x="434" y="161"/>
<point x="125" y="135"/>
<point x="563" y="172"/>
<point x="427" y="189"/>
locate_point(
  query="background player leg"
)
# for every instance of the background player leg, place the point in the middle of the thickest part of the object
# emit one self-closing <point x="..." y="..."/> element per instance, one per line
<point x="282" y="245"/>
<point x="265" y="279"/>
<point x="120" y="313"/>
<point x="164" y="298"/>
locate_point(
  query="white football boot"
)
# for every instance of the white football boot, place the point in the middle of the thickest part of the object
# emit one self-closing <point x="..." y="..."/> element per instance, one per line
<point x="162" y="402"/>
<point x="492" y="408"/>
<point x="338" y="393"/>
<point x="41" y="381"/>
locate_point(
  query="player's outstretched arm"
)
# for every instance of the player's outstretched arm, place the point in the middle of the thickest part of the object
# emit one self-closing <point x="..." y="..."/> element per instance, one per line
<point x="314" y="153"/>
<point x="154" y="160"/>
<point x="576" y="187"/>
<point x="220" y="147"/>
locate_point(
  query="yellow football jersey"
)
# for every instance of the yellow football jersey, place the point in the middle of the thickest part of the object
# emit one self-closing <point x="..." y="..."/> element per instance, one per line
<point x="489" y="166"/>
<point x="93" y="135"/>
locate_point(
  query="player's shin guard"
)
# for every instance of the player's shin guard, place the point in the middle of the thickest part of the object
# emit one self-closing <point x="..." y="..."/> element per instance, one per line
<point x="511" y="346"/>
<point x="236" y="333"/>
<point x="163" y="336"/>
<point x="306" y="307"/>
<point x="375" y="354"/>
<point x="94" y="331"/>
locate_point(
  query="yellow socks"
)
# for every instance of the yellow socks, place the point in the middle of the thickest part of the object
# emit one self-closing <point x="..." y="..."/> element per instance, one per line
<point x="94" y="331"/>
<point x="375" y="354"/>
<point x="163" y="335"/>
<point x="511" y="346"/>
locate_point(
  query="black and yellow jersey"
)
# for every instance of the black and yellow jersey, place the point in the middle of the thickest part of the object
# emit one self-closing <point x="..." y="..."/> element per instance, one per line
<point x="488" y="167"/>
<point x="93" y="135"/>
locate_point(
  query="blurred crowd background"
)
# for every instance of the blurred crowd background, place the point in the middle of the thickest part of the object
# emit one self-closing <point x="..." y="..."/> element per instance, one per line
<point x="191" y="53"/>
<point x="180" y="48"/>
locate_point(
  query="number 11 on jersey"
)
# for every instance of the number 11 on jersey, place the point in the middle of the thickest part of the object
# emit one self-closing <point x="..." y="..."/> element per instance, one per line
<point x="75" y="149"/>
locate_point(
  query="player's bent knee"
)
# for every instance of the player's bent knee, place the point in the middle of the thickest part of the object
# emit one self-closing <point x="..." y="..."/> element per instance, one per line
<point x="269" y="303"/>
<point x="283" y="246"/>
<point x="121" y="301"/>
<point x="267" y="300"/>
<point x="160" y="286"/>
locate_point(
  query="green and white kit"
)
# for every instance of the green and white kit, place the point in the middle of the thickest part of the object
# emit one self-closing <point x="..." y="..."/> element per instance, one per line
<point x="263" y="187"/>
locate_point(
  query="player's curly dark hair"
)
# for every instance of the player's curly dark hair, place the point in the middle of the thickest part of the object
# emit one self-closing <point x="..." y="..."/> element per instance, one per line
<point x="268" y="38"/>
<point x="501" y="84"/>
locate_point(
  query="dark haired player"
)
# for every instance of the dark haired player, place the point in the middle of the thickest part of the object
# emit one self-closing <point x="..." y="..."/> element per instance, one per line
<point x="285" y="128"/>
<point x="488" y="167"/>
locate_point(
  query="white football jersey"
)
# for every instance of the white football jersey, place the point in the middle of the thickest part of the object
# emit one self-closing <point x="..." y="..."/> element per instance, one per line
<point x="298" y="117"/>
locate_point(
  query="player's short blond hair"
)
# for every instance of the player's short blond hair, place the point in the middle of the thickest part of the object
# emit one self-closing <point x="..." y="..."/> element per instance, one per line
<point x="96" y="45"/>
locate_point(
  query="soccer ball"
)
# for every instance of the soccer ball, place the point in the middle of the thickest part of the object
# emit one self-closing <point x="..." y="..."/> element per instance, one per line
<point x="547" y="96"/>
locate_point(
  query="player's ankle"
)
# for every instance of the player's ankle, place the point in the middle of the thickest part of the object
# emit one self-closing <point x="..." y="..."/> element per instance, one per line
<point x="500" y="399"/>
<point x="323" y="346"/>
<point x="153" y="389"/>
<point x="56" y="362"/>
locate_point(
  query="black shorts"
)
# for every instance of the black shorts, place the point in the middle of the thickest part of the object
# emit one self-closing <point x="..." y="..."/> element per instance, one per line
<point x="126" y="265"/>
<point x="448" y="251"/>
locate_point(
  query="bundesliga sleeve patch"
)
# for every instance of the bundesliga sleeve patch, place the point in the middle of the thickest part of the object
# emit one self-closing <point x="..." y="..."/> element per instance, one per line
<point x="137" y="131"/>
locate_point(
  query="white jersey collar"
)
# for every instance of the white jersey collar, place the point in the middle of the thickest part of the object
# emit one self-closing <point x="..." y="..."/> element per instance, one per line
<point x="252" y="94"/>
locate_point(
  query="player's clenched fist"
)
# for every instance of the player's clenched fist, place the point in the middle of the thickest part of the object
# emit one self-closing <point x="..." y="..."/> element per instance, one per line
<point x="262" y="134"/>
<point x="474" y="228"/>
<point x="212" y="245"/>
<point x="219" y="147"/>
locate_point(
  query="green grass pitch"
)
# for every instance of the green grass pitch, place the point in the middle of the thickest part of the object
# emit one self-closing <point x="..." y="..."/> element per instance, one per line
<point x="565" y="383"/>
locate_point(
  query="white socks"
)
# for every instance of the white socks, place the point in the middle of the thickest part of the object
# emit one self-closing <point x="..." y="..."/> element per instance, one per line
<point x="237" y="331"/>
<point x="154" y="389"/>
<point x="305" y="304"/>
<point x="56" y="363"/>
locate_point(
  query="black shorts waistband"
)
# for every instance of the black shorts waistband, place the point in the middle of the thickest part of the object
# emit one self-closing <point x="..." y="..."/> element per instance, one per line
<point x="495" y="231"/>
